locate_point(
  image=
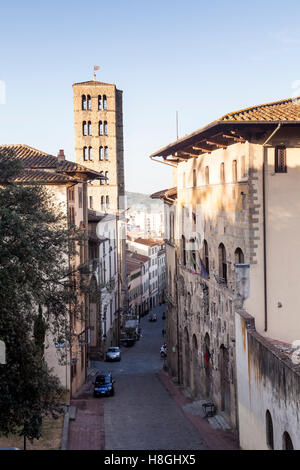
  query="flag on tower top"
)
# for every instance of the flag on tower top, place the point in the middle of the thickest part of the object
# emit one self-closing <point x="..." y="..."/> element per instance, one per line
<point x="96" y="67"/>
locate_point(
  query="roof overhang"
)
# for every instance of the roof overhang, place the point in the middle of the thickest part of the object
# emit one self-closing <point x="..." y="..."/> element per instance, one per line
<point x="218" y="134"/>
<point x="168" y="195"/>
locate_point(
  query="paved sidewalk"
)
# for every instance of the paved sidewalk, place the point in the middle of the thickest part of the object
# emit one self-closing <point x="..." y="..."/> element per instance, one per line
<point x="215" y="439"/>
<point x="86" y="431"/>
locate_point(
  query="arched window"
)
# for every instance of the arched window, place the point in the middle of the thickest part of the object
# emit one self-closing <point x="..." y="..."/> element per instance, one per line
<point x="99" y="102"/>
<point x="105" y="128"/>
<point x="183" y="243"/>
<point x="90" y="153"/>
<point x="83" y="102"/>
<point x="206" y="257"/>
<point x="101" y="180"/>
<point x="106" y="153"/>
<point x="234" y="171"/>
<point x="222" y="263"/>
<point x="100" y="153"/>
<point x="107" y="177"/>
<point x="100" y="128"/>
<point x="222" y="173"/>
<point x="84" y="128"/>
<point x="269" y="431"/>
<point x="243" y="166"/>
<point x="194" y="178"/>
<point x="104" y="102"/>
<point x="287" y="443"/>
<point x="89" y="128"/>
<point x="89" y="102"/>
<point x="171" y="227"/>
<point x="85" y="153"/>
<point x="102" y="203"/>
<point x="238" y="256"/>
<point x="207" y="175"/>
<point x="107" y="202"/>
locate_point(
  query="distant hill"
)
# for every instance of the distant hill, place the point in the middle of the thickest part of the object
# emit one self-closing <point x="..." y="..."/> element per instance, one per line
<point x="143" y="200"/>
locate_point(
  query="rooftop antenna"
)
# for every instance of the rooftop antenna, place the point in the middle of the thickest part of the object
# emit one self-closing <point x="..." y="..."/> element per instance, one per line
<point x="96" y="67"/>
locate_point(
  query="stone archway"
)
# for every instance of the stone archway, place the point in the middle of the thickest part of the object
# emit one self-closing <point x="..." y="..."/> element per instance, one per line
<point x="187" y="367"/>
<point x="224" y="380"/>
<point x="195" y="366"/>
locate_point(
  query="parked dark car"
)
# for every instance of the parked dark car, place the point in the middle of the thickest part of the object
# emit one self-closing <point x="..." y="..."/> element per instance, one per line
<point x="153" y="317"/>
<point x="104" y="385"/>
<point x="113" y="354"/>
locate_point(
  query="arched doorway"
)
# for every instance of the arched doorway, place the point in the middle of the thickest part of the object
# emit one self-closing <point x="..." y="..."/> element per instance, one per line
<point x="187" y="371"/>
<point x="207" y="365"/>
<point x="195" y="362"/>
<point x="224" y="379"/>
<point x="94" y="320"/>
<point x="287" y="443"/>
<point x="269" y="431"/>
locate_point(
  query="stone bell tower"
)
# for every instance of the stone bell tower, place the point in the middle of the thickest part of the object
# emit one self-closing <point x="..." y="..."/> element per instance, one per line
<point x="98" y="122"/>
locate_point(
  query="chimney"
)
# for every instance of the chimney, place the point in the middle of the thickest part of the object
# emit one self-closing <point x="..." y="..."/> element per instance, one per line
<point x="61" y="155"/>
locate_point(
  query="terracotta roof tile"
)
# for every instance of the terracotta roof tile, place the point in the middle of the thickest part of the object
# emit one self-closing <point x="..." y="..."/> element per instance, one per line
<point x="284" y="110"/>
<point x="136" y="257"/>
<point x="93" y="82"/>
<point x="33" y="158"/>
<point x="287" y="111"/>
<point x="39" y="176"/>
<point x="146" y="241"/>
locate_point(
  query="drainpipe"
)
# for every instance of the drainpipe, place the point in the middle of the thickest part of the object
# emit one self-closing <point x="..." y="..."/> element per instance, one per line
<point x="265" y="162"/>
<point x="177" y="321"/>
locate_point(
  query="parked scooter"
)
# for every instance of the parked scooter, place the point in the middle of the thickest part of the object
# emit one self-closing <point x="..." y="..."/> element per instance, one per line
<point x="163" y="351"/>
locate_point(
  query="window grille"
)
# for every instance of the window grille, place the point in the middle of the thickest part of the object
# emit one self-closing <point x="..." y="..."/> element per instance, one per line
<point x="280" y="160"/>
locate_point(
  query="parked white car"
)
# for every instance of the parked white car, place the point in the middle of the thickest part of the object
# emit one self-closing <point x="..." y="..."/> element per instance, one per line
<point x="113" y="354"/>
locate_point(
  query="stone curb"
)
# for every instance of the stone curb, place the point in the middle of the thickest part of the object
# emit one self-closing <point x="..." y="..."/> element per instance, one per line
<point x="65" y="434"/>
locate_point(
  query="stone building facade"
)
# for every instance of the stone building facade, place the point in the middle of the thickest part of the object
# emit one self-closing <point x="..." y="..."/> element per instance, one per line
<point x="98" y="126"/>
<point x="66" y="181"/>
<point x="104" y="304"/>
<point x="152" y="249"/>
<point x="236" y="182"/>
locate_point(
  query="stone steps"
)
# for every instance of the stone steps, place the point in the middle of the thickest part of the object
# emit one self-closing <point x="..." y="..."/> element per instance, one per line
<point x="218" y="422"/>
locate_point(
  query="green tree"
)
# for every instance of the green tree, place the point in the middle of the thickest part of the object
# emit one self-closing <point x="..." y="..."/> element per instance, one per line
<point x="36" y="296"/>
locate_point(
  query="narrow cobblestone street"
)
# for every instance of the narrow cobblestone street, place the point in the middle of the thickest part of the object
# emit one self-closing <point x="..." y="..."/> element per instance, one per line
<point x="146" y="412"/>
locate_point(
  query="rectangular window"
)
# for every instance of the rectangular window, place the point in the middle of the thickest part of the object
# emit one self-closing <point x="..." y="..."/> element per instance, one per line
<point x="280" y="160"/>
<point x="71" y="194"/>
<point x="206" y="175"/>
